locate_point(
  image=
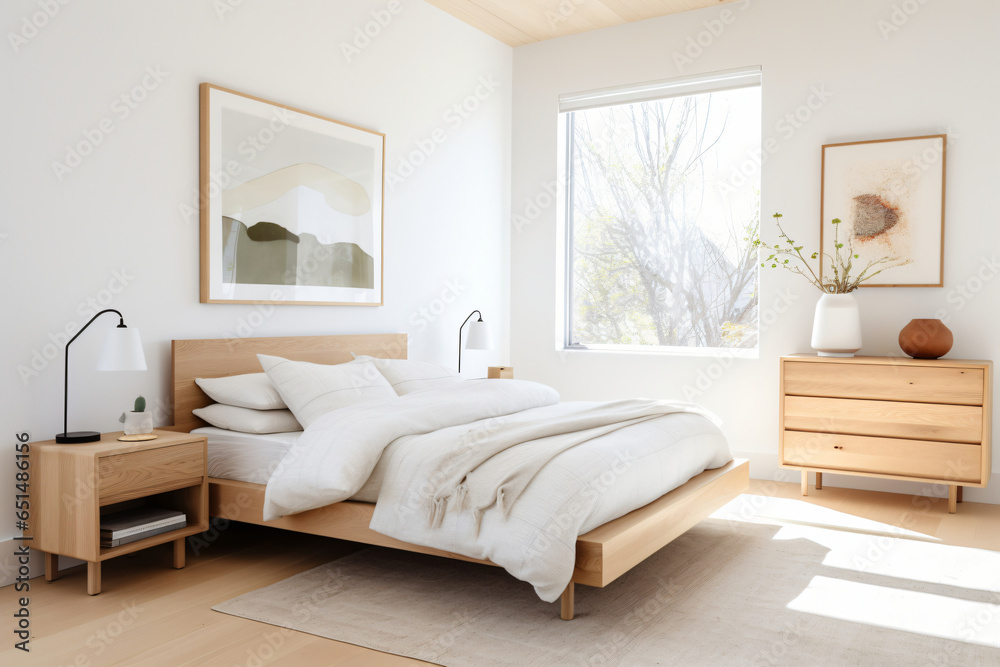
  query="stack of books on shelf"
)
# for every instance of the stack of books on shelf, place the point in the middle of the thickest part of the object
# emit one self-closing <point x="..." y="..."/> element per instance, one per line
<point x="137" y="524"/>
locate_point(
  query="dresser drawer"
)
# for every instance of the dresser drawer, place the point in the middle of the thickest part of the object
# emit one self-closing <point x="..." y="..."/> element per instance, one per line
<point x="893" y="419"/>
<point x="886" y="382"/>
<point x="952" y="462"/>
<point x="127" y="476"/>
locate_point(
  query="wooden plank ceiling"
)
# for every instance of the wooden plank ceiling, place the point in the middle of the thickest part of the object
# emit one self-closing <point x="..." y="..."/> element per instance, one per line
<point x="519" y="22"/>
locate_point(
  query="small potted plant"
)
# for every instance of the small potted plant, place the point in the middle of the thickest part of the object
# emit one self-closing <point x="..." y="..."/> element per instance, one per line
<point x="837" y="324"/>
<point x="138" y="422"/>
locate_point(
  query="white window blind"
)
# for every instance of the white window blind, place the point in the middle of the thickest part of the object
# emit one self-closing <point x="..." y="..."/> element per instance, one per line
<point x="658" y="90"/>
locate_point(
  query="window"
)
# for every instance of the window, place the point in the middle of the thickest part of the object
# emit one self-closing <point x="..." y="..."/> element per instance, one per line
<point x="662" y="207"/>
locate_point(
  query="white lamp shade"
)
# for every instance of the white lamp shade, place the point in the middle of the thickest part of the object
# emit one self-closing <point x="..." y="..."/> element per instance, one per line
<point x="479" y="337"/>
<point x="122" y="351"/>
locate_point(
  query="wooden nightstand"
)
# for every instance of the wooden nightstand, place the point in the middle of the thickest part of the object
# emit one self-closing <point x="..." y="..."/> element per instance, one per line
<point x="72" y="486"/>
<point x="922" y="420"/>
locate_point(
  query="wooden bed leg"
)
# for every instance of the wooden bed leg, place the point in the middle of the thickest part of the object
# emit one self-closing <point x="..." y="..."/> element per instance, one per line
<point x="952" y="499"/>
<point x="819" y="481"/>
<point x="960" y="493"/>
<point x="566" y="602"/>
<point x="51" y="567"/>
<point x="805" y="482"/>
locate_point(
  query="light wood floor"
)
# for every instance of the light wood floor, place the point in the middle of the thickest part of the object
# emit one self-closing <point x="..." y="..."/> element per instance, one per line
<point x="975" y="525"/>
<point x="172" y="622"/>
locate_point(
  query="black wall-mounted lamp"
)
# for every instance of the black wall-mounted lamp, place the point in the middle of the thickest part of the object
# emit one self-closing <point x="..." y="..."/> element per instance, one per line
<point x="479" y="337"/>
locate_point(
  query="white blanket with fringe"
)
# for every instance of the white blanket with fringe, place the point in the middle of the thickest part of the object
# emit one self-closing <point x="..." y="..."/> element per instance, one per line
<point x="498" y="470"/>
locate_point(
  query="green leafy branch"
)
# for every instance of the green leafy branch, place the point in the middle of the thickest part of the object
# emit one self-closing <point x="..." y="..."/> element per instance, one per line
<point x="786" y="255"/>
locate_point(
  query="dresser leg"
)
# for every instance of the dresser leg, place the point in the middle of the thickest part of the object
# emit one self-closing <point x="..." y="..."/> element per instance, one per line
<point x="819" y="481"/>
<point x="51" y="567"/>
<point x="952" y="499"/>
<point x="805" y="482"/>
<point x="960" y="493"/>
<point x="179" y="553"/>
<point x="93" y="578"/>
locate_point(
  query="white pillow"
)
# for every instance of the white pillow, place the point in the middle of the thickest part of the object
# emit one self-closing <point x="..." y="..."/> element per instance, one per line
<point x="312" y="390"/>
<point x="407" y="376"/>
<point x="251" y="390"/>
<point x="246" y="420"/>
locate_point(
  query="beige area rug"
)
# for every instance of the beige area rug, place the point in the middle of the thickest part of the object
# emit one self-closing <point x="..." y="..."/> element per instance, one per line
<point x="734" y="590"/>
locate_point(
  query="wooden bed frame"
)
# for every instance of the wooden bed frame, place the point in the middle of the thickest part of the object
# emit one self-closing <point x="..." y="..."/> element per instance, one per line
<point x="602" y="555"/>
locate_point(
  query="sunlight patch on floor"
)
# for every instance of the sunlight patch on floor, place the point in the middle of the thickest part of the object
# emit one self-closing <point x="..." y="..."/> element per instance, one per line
<point x="749" y="507"/>
<point x="906" y="610"/>
<point x="909" y="560"/>
<point x="915" y="583"/>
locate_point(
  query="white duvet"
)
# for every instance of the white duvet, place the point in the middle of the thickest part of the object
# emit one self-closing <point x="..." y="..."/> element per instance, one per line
<point x="498" y="470"/>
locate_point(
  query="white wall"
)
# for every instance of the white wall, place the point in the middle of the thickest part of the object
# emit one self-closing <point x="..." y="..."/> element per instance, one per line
<point x="119" y="211"/>
<point x="936" y="73"/>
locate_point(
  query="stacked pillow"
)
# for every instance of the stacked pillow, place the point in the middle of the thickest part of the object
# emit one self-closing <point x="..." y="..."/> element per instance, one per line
<point x="290" y="395"/>
<point x="252" y="390"/>
<point x="248" y="420"/>
<point x="246" y="403"/>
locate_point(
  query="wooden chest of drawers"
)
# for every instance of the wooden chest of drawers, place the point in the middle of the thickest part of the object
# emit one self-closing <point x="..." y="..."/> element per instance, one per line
<point x="910" y="419"/>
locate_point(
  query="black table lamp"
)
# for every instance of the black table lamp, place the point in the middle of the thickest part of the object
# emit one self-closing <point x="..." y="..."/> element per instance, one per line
<point x="479" y="337"/>
<point x="122" y="351"/>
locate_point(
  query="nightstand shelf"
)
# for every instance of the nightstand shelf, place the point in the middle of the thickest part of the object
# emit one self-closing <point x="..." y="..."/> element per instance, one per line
<point x="73" y="485"/>
<point x="162" y="538"/>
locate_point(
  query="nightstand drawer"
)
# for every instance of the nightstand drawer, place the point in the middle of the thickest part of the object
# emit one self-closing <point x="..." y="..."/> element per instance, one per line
<point x="885" y="382"/>
<point x="127" y="476"/>
<point x="889" y="456"/>
<point x="890" y="419"/>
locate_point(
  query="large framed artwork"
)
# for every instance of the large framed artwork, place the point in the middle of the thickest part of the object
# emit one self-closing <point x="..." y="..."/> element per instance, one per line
<point x="889" y="197"/>
<point x="291" y="205"/>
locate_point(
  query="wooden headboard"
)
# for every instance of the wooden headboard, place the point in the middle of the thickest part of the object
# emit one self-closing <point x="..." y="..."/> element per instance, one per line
<point x="211" y="358"/>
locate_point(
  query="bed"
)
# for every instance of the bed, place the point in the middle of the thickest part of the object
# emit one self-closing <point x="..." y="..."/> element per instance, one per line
<point x="602" y="554"/>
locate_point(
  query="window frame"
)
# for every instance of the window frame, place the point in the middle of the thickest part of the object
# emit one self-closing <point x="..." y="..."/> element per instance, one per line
<point x="614" y="96"/>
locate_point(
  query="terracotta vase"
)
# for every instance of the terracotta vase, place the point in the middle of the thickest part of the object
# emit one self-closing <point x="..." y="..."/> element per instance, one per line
<point x="926" y="339"/>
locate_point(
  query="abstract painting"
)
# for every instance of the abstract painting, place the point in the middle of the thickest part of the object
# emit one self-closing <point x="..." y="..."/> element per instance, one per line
<point x="291" y="205"/>
<point x="889" y="196"/>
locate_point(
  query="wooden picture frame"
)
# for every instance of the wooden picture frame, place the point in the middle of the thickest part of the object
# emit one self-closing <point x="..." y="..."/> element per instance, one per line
<point x="291" y="205"/>
<point x="890" y="196"/>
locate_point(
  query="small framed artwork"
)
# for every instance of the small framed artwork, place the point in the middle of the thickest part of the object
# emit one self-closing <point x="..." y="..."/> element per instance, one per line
<point x="889" y="197"/>
<point x="291" y="205"/>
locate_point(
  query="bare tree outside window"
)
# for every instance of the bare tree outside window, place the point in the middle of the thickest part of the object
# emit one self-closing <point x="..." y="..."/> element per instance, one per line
<point x="662" y="216"/>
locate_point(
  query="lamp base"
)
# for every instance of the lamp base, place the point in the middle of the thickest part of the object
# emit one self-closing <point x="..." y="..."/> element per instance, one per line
<point x="76" y="437"/>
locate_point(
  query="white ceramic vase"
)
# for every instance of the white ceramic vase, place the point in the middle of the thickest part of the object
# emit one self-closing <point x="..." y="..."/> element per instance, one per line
<point x="138" y="423"/>
<point x="837" y="326"/>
